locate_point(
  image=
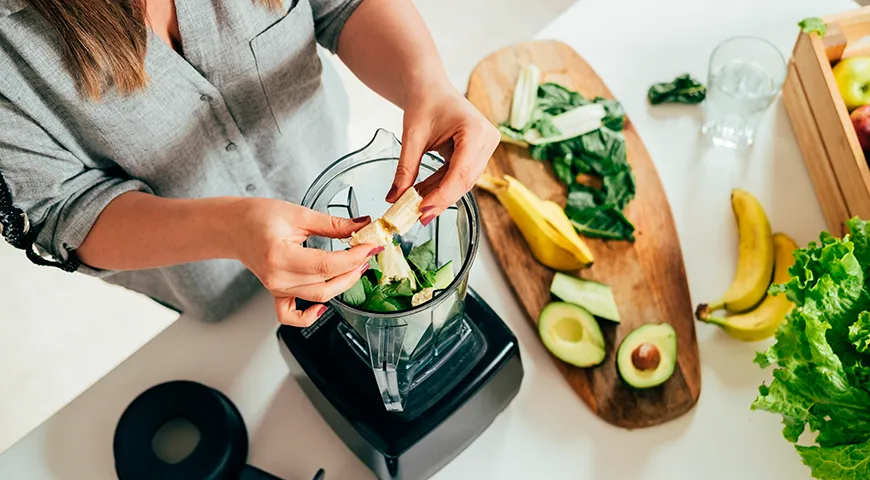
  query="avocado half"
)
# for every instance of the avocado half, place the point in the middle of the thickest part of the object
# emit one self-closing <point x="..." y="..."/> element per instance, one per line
<point x="647" y="356"/>
<point x="571" y="334"/>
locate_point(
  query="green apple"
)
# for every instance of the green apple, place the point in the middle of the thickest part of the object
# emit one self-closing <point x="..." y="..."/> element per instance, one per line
<point x="853" y="80"/>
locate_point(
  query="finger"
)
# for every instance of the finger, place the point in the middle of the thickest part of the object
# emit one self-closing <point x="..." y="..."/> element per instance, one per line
<point x="325" y="291"/>
<point x="413" y="147"/>
<point x="469" y="161"/>
<point x="285" y="307"/>
<point x="314" y="266"/>
<point x="324" y="225"/>
<point x="431" y="182"/>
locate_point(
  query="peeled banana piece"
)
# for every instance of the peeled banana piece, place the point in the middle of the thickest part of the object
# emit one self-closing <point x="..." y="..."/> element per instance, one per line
<point x="755" y="257"/>
<point x="398" y="219"/>
<point x="543" y="224"/>
<point x="763" y="321"/>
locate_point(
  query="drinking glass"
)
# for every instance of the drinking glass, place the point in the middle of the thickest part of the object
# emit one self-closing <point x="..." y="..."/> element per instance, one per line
<point x="744" y="77"/>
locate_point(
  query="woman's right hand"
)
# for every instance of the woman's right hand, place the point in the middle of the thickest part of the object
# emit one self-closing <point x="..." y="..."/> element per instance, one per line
<point x="268" y="240"/>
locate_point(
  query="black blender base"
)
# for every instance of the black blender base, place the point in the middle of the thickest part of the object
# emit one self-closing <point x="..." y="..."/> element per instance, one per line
<point x="394" y="446"/>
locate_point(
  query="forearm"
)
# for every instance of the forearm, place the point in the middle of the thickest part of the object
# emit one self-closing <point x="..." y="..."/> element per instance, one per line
<point x="386" y="44"/>
<point x="139" y="231"/>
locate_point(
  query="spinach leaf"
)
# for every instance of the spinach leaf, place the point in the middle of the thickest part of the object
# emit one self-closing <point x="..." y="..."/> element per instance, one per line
<point x="606" y="222"/>
<point x="619" y="188"/>
<point x="423" y="256"/>
<point x="615" y="119"/>
<point x="563" y="169"/>
<point x="814" y="25"/>
<point x="683" y="89"/>
<point x="355" y="295"/>
<point x="401" y="288"/>
<point x="376" y="300"/>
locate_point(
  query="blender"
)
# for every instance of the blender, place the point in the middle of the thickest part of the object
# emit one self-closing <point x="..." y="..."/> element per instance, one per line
<point x="406" y="390"/>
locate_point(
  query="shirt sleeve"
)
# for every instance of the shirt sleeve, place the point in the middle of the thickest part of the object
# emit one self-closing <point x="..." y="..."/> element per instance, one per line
<point x="329" y="19"/>
<point x="49" y="198"/>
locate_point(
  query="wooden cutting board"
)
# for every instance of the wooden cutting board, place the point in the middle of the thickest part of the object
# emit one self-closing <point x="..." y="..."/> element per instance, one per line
<point x="647" y="277"/>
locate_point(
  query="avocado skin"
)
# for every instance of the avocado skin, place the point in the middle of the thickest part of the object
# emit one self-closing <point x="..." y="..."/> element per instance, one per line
<point x="664" y="338"/>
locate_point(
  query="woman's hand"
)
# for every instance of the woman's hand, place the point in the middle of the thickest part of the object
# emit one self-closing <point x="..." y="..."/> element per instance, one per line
<point x="269" y="242"/>
<point x="439" y="118"/>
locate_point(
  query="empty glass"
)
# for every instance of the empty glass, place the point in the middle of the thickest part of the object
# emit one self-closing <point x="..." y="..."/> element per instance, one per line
<point x="402" y="346"/>
<point x="745" y="75"/>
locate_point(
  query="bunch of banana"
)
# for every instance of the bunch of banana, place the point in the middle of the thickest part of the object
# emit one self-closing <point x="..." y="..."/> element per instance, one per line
<point x="398" y="219"/>
<point x="763" y="258"/>
<point x="542" y="223"/>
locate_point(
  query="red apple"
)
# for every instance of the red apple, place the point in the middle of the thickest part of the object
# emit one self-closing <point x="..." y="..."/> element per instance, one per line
<point x="861" y="121"/>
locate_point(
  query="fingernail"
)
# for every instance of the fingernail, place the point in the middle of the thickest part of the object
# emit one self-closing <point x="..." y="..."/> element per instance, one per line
<point x="363" y="268"/>
<point x="426" y="210"/>
<point x="427" y="220"/>
<point x="376" y="251"/>
<point x="362" y="219"/>
<point x="321" y="310"/>
<point x="392" y="192"/>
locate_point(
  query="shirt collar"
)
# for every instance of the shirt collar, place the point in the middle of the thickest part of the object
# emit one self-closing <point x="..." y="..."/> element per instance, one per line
<point x="8" y="7"/>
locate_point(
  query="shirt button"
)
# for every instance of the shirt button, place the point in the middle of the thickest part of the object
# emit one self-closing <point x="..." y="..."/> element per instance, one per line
<point x="251" y="187"/>
<point x="205" y="98"/>
<point x="231" y="147"/>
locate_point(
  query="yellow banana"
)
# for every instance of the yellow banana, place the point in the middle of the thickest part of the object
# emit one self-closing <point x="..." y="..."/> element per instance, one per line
<point x="399" y="218"/>
<point x="764" y="320"/>
<point x="542" y="226"/>
<point x="755" y="256"/>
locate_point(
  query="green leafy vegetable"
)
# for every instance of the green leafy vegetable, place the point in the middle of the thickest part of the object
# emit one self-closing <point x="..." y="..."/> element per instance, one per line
<point x="401" y="288"/>
<point x="821" y="378"/>
<point x="814" y="25"/>
<point x="423" y="256"/>
<point x="683" y="89"/>
<point x="356" y="295"/>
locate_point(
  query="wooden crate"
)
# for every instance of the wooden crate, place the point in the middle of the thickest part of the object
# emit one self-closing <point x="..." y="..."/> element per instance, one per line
<point x="821" y="122"/>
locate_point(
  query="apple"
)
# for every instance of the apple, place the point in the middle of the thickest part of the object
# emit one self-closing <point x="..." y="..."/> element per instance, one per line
<point x="853" y="80"/>
<point x="861" y="121"/>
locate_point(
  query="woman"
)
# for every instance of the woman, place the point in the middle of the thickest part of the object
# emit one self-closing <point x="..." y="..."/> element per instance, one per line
<point x="160" y="145"/>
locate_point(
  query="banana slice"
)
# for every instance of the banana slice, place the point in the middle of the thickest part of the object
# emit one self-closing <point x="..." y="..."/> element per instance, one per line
<point x="375" y="233"/>
<point x="398" y="219"/>
<point x="402" y="215"/>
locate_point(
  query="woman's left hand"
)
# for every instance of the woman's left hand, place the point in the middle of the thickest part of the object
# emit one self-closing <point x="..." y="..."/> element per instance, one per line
<point x="439" y="118"/>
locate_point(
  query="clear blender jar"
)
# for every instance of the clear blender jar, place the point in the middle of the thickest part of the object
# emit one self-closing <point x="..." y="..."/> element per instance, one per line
<point x="403" y="348"/>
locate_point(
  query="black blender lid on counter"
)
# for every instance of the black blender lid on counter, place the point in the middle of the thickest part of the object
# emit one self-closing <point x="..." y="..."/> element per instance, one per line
<point x="444" y="413"/>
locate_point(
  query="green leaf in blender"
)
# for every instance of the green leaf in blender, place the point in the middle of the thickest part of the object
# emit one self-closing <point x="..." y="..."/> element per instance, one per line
<point x="814" y="25"/>
<point x="375" y="269"/>
<point x="402" y="288"/>
<point x="423" y="256"/>
<point x="356" y="295"/>
<point x="683" y="89"/>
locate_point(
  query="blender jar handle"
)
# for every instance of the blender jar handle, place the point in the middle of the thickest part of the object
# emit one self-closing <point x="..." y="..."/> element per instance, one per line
<point x="385" y="340"/>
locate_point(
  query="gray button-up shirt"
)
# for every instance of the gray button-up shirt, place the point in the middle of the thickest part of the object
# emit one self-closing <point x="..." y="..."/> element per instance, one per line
<point x="245" y="112"/>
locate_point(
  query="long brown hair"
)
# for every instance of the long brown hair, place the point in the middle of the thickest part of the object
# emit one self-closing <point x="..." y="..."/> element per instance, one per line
<point x="104" y="42"/>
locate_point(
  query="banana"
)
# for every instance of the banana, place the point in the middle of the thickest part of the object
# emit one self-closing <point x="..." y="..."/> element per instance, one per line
<point x="764" y="320"/>
<point x="543" y="225"/>
<point x="398" y="219"/>
<point x="755" y="257"/>
<point x="402" y="215"/>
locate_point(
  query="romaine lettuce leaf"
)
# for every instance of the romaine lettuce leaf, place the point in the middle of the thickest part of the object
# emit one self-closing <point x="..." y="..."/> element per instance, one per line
<point x="820" y="357"/>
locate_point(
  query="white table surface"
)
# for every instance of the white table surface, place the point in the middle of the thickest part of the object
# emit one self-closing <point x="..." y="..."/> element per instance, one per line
<point x="547" y="432"/>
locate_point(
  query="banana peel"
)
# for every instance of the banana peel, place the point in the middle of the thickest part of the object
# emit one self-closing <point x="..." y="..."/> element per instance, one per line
<point x="542" y="223"/>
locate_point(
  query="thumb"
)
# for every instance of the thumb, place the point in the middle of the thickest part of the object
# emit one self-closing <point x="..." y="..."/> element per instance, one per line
<point x="413" y="146"/>
<point x="324" y="225"/>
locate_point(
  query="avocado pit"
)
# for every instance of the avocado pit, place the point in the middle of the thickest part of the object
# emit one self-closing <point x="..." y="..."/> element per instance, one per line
<point x="646" y="357"/>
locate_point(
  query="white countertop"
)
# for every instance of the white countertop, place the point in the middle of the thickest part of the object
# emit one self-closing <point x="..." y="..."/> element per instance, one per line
<point x="547" y="432"/>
